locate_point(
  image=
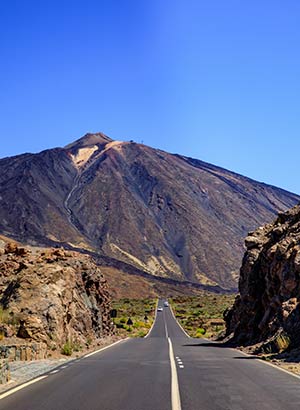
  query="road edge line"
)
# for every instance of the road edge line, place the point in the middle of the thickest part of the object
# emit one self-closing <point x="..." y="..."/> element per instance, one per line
<point x="21" y="386"/>
<point x="47" y="373"/>
<point x="267" y="363"/>
<point x="175" y="394"/>
<point x="150" y="330"/>
<point x="179" y="323"/>
<point x="104" y="348"/>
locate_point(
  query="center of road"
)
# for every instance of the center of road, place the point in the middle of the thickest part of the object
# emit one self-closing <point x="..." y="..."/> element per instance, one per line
<point x="175" y="395"/>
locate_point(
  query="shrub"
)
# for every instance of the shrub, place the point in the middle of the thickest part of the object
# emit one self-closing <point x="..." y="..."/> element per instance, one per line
<point x="200" y="332"/>
<point x="138" y="324"/>
<point x="67" y="348"/>
<point x="88" y="341"/>
<point x="8" y="317"/>
<point x="76" y="346"/>
<point x="282" y="342"/>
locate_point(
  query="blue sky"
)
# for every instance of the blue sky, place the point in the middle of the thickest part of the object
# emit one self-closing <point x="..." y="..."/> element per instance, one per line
<point x="216" y="80"/>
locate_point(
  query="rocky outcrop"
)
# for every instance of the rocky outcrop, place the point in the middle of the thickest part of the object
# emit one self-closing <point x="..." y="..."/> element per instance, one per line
<point x="51" y="296"/>
<point x="166" y="215"/>
<point x="267" y="310"/>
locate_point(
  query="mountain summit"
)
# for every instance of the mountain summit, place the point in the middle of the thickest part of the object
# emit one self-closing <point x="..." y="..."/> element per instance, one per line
<point x="161" y="214"/>
<point x="89" y="140"/>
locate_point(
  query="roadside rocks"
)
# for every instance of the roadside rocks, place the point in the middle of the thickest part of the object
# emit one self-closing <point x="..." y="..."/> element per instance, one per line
<point x="52" y="296"/>
<point x="266" y="311"/>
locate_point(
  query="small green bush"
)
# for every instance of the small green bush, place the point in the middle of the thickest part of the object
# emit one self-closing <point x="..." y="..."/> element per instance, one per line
<point x="67" y="349"/>
<point x="88" y="341"/>
<point x="200" y="331"/>
<point x="8" y="317"/>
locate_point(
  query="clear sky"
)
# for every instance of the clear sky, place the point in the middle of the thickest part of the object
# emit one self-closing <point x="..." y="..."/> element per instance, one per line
<point x="217" y="80"/>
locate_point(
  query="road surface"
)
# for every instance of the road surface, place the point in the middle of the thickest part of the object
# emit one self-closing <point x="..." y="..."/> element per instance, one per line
<point x="165" y="371"/>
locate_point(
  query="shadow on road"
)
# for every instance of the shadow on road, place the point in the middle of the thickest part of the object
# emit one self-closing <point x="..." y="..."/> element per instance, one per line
<point x="221" y="345"/>
<point x="208" y="344"/>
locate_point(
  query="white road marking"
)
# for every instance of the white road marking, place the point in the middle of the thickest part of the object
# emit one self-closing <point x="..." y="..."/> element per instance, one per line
<point x="153" y="321"/>
<point x="268" y="363"/>
<point x="104" y="348"/>
<point x="181" y="367"/>
<point x="12" y="391"/>
<point x="64" y="367"/>
<point x="54" y="371"/>
<point x="179" y="323"/>
<point x="175" y="395"/>
<point x="166" y="329"/>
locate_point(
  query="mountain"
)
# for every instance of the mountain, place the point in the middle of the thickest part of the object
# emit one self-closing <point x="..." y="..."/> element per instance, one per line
<point x="138" y="208"/>
<point x="267" y="312"/>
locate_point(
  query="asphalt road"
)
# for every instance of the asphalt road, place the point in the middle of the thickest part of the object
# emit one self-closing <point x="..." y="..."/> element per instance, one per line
<point x="167" y="370"/>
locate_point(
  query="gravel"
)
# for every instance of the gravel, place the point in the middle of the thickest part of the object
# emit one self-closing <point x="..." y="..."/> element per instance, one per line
<point x="22" y="372"/>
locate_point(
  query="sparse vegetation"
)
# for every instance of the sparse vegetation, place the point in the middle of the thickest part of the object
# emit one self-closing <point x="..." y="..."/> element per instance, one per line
<point x="202" y="316"/>
<point x="69" y="347"/>
<point x="134" y="316"/>
<point x="7" y="317"/>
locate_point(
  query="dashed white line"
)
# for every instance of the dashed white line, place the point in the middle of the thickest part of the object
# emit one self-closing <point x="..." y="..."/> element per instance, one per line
<point x="181" y="366"/>
<point x="54" y="371"/>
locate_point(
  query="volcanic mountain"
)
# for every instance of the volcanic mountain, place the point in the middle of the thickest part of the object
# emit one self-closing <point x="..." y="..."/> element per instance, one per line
<point x="136" y="207"/>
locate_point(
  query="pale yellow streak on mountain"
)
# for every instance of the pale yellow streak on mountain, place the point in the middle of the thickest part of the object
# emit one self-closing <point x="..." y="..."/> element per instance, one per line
<point x="83" y="155"/>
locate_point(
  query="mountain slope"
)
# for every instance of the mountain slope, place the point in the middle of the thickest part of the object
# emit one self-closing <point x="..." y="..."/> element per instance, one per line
<point x="165" y="214"/>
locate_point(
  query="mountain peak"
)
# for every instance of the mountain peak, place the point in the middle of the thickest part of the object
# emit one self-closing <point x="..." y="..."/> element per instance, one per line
<point x="89" y="140"/>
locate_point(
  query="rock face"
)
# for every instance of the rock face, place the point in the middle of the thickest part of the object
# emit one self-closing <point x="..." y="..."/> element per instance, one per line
<point x="167" y="215"/>
<point x="52" y="296"/>
<point x="267" y="310"/>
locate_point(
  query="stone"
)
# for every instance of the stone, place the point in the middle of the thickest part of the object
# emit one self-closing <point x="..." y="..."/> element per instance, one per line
<point x="267" y="308"/>
<point x="52" y="299"/>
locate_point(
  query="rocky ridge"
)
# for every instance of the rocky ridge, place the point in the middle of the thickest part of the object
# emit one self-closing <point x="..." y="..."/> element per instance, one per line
<point x="267" y="311"/>
<point x="51" y="296"/>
